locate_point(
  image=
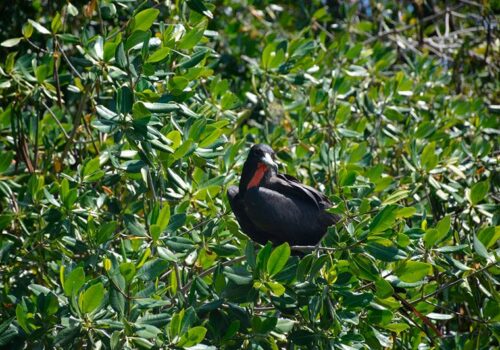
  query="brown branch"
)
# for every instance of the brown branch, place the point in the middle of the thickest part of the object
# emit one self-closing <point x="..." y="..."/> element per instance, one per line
<point x="422" y="317"/>
<point x="25" y="153"/>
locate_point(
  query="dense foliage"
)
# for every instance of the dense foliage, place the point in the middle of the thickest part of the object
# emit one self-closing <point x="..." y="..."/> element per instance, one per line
<point x="123" y="122"/>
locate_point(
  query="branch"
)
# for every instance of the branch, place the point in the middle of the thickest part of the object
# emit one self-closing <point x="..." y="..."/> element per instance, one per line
<point x="56" y="120"/>
<point x="212" y="269"/>
<point x="409" y="26"/>
<point x="423" y="318"/>
<point x="77" y="122"/>
<point x="451" y="284"/>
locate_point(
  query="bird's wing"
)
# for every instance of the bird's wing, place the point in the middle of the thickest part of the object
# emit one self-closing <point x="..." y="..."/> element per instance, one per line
<point x="247" y="226"/>
<point x="289" y="218"/>
<point x="290" y="186"/>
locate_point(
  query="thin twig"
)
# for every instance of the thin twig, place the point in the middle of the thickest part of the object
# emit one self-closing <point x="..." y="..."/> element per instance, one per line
<point x="212" y="269"/>
<point x="409" y="26"/>
<point x="458" y="280"/>
<point x="77" y="122"/>
<point x="470" y="318"/>
<point x="56" y="119"/>
<point x="55" y="56"/>
<point x="422" y="317"/>
<point x="69" y="63"/>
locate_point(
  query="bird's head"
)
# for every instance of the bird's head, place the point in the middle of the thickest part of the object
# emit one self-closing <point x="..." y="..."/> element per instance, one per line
<point x="259" y="167"/>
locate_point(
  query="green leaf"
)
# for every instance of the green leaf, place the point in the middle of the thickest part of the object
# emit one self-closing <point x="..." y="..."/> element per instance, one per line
<point x="152" y="269"/>
<point x="138" y="38"/>
<point x="383" y="288"/>
<point x="444" y="225"/>
<point x="263" y="325"/>
<point x="195" y="58"/>
<point x="211" y="138"/>
<point x="480" y="249"/>
<point x="276" y="288"/>
<point x="263" y="256"/>
<point x="166" y="254"/>
<point x="89" y="300"/>
<point x="384" y="220"/>
<point x="11" y="42"/>
<point x="5" y="160"/>
<point x="278" y="259"/>
<point x="174" y="284"/>
<point x="190" y="39"/>
<point x="57" y="23"/>
<point x="433" y="236"/>
<point x="7" y="332"/>
<point x="74" y="281"/>
<point x="343" y="113"/>
<point x="396" y="197"/>
<point x="91" y="170"/>
<point x="397" y="327"/>
<point x="193" y="336"/>
<point x="27" y="30"/>
<point x="364" y="267"/>
<point x="413" y="271"/>
<point x="489" y="236"/>
<point x="47" y="303"/>
<point x="479" y="191"/>
<point x="158" y="55"/>
<point x="163" y="217"/>
<point x="22" y="319"/>
<point x="161" y="107"/>
<point x="178" y="180"/>
<point x="238" y="276"/>
<point x="384" y="340"/>
<point x="41" y="29"/>
<point x="429" y="158"/>
<point x="105" y="232"/>
<point x="145" y="19"/>
<point x="199" y="6"/>
<point x="441" y="317"/>
<point x="176" y="138"/>
<point x="175" y="323"/>
<point x="116" y="297"/>
<point x="72" y="10"/>
<point x="155" y="232"/>
<point x="406" y="212"/>
<point x="124" y="99"/>
<point x="120" y="56"/>
<point x="357" y="299"/>
<point x="384" y="249"/>
<point x="127" y="269"/>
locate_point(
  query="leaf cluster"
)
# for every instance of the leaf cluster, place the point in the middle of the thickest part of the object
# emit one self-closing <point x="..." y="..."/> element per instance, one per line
<point x="122" y="124"/>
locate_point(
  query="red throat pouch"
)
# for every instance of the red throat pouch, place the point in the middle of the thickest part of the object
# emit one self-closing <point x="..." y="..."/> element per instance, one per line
<point x="257" y="176"/>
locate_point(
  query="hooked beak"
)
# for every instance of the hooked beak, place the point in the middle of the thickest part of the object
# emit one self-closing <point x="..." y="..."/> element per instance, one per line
<point x="267" y="160"/>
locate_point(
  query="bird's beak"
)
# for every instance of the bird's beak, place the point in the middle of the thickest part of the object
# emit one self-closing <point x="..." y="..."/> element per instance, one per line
<point x="268" y="160"/>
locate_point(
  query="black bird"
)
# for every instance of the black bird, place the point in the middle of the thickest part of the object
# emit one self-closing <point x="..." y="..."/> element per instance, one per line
<point x="277" y="207"/>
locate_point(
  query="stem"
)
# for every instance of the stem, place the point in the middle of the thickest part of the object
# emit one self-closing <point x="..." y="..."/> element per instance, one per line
<point x="212" y="269"/>
<point x="77" y="122"/>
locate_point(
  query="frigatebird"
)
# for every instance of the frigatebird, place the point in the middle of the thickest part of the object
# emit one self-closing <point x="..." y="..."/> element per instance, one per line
<point x="275" y="207"/>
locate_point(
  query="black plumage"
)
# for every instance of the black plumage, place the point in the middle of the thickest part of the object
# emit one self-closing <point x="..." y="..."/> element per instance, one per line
<point x="276" y="207"/>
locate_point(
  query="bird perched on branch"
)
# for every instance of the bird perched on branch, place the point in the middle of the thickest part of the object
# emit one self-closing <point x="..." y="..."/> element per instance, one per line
<point x="276" y="207"/>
